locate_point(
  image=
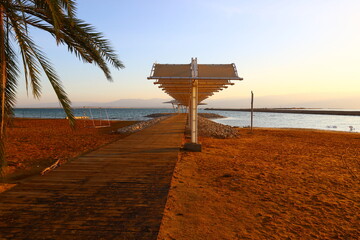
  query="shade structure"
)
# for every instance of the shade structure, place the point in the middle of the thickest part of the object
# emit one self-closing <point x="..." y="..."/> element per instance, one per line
<point x="177" y="80"/>
<point x="190" y="84"/>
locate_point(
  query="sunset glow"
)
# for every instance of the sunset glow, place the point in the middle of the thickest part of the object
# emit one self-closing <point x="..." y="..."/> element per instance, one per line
<point x="281" y="48"/>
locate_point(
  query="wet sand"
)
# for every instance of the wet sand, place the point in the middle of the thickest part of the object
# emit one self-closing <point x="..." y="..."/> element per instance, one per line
<point x="272" y="184"/>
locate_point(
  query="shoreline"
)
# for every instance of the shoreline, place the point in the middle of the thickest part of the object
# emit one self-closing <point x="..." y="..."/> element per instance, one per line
<point x="201" y="115"/>
<point x="285" y="110"/>
<point x="329" y="130"/>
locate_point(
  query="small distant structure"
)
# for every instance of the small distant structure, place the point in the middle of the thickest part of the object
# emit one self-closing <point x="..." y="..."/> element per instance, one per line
<point x="175" y="105"/>
<point x="190" y="84"/>
<point x="100" y="121"/>
<point x="178" y="106"/>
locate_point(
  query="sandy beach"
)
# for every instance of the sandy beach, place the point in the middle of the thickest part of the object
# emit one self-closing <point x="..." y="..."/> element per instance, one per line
<point x="150" y="156"/>
<point x="269" y="184"/>
<point x="34" y="144"/>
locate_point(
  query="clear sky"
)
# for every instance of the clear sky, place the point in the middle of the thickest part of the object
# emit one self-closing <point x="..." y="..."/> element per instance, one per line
<point x="306" y="48"/>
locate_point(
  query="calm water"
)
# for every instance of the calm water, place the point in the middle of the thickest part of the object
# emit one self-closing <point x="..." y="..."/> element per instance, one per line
<point x="290" y="120"/>
<point x="96" y="113"/>
<point x="233" y="118"/>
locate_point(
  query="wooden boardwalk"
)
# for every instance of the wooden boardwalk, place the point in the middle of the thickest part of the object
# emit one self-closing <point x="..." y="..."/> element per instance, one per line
<point x="116" y="192"/>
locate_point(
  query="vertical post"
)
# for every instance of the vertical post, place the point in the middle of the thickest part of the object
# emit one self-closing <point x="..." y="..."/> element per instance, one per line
<point x="189" y="116"/>
<point x="194" y="101"/>
<point x="100" y="114"/>
<point x="193" y="112"/>
<point x="252" y="109"/>
<point x="194" y="118"/>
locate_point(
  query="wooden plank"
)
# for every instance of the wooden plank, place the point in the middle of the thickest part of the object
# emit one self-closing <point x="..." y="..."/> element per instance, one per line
<point x="116" y="192"/>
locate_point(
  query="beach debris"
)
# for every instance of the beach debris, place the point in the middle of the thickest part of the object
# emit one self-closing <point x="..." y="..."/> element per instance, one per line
<point x="52" y="167"/>
<point x="351" y="128"/>
<point x="79" y="117"/>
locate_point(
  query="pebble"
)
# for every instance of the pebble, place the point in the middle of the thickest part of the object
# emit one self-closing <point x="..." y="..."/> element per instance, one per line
<point x="207" y="128"/>
<point x="156" y="115"/>
<point x="140" y="125"/>
<point x="205" y="115"/>
<point x="210" y="115"/>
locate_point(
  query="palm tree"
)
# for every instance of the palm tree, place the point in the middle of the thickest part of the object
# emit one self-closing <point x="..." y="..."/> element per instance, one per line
<point x="57" y="17"/>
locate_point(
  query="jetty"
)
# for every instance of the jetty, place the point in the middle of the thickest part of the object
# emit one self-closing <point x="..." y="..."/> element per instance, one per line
<point x="120" y="190"/>
<point x="116" y="192"/>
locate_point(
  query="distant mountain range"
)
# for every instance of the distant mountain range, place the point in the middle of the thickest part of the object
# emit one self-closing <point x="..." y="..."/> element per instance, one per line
<point x="306" y="101"/>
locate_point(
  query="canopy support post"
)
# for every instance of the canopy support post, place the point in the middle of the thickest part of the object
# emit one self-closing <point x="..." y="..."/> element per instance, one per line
<point x="194" y="115"/>
<point x="194" y="145"/>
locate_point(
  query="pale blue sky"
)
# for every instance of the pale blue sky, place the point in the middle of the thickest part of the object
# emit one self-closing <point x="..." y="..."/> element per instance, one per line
<point x="280" y="47"/>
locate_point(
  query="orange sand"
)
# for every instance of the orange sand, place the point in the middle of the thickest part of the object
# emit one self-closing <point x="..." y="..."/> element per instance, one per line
<point x="34" y="144"/>
<point x="272" y="184"/>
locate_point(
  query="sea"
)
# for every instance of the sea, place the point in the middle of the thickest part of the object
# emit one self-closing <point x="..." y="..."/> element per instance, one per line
<point x="232" y="118"/>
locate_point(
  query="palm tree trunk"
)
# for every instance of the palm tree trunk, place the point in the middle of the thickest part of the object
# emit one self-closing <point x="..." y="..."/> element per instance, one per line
<point x="3" y="72"/>
<point x="3" y="91"/>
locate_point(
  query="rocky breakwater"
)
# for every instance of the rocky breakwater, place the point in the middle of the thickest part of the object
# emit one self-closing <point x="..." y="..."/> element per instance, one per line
<point x="208" y="128"/>
<point x="205" y="115"/>
<point x="140" y="125"/>
<point x="156" y="115"/>
<point x="210" y="115"/>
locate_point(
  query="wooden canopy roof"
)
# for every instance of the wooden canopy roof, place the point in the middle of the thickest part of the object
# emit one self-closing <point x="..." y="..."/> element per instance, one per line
<point x="177" y="80"/>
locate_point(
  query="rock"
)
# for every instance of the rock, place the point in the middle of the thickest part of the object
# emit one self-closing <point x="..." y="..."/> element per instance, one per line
<point x="140" y="125"/>
<point x="208" y="128"/>
<point x="205" y="115"/>
<point x="210" y="115"/>
<point x="156" y="115"/>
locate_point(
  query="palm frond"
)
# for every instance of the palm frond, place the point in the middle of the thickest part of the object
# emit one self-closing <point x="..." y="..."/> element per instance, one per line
<point x="29" y="60"/>
<point x="70" y="7"/>
<point x="55" y="82"/>
<point x="82" y="39"/>
<point x="57" y="17"/>
<point x="12" y="73"/>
